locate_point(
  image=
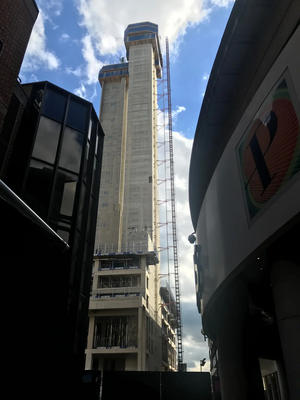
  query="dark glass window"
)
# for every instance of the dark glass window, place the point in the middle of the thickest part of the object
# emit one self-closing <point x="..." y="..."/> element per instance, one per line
<point x="77" y="255"/>
<point x="46" y="141"/>
<point x="38" y="187"/>
<point x="38" y="97"/>
<point x="1" y="45"/>
<point x="88" y="165"/>
<point x="71" y="151"/>
<point x="62" y="229"/>
<point x="96" y="178"/>
<point x="82" y="208"/>
<point x="77" y="115"/>
<point x="65" y="235"/>
<point x="54" y="105"/>
<point x="64" y="195"/>
<point x="85" y="275"/>
<point x="91" y="221"/>
<point x="92" y="131"/>
<point x="96" y="146"/>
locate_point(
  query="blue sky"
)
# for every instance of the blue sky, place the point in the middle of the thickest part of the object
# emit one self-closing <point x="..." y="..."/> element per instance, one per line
<point x="70" y="42"/>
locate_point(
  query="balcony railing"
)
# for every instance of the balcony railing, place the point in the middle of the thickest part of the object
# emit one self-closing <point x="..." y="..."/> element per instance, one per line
<point x="116" y="343"/>
<point x="117" y="292"/>
<point x="138" y="247"/>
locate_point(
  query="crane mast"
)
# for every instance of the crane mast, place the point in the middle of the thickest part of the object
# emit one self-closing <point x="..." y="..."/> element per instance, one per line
<point x="173" y="211"/>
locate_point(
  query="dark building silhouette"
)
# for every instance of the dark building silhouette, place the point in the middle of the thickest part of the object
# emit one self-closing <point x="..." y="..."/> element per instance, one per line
<point x="55" y="170"/>
<point x="244" y="193"/>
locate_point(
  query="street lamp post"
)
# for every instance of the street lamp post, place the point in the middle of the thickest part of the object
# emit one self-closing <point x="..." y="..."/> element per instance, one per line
<point x="202" y="363"/>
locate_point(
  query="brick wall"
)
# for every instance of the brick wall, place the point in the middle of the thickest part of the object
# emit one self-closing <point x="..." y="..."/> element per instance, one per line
<point x="17" y="18"/>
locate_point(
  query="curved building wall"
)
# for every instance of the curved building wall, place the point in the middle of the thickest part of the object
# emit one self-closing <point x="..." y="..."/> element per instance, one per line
<point x="254" y="194"/>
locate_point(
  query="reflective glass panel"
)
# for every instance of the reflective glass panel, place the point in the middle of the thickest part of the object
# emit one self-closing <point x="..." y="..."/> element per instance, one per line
<point x="96" y="178"/>
<point x="62" y="228"/>
<point x="54" y="105"/>
<point x="46" y="141"/>
<point x="82" y="208"/>
<point x="91" y="221"/>
<point x="64" y="235"/>
<point x="92" y="130"/>
<point x="38" y="187"/>
<point x="64" y="194"/>
<point x="77" y="115"/>
<point x="71" y="151"/>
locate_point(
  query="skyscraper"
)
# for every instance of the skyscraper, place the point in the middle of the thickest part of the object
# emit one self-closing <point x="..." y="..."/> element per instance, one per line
<point x="128" y="116"/>
<point x="125" y="315"/>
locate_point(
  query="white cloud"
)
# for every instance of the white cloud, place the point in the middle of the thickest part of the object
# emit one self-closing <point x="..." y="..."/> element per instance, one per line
<point x="64" y="37"/>
<point x="176" y="112"/>
<point x="37" y="56"/>
<point x="106" y="24"/>
<point x="88" y="72"/>
<point x="194" y="352"/>
<point x="93" y="65"/>
<point x="205" y="77"/>
<point x="77" y="71"/>
<point x="81" y="91"/>
<point x="54" y="6"/>
<point x="33" y="78"/>
<point x="222" y="3"/>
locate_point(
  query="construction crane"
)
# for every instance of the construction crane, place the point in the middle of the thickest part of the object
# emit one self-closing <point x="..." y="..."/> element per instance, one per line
<point x="173" y="211"/>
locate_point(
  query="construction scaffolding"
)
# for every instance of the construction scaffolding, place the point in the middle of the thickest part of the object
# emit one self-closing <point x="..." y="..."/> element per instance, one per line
<point x="116" y="332"/>
<point x="168" y="201"/>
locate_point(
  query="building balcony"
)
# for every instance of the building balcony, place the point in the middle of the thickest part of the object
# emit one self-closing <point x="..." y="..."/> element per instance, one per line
<point x="104" y="293"/>
<point x="115" y="343"/>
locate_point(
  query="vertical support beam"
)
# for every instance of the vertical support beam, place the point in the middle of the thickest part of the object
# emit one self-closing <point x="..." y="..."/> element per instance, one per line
<point x="141" y="341"/>
<point x="91" y="332"/>
<point x="89" y="355"/>
<point x="285" y="279"/>
<point x="88" y="360"/>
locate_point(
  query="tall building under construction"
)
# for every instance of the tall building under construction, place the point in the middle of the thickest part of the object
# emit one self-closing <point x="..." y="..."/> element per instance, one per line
<point x="125" y="306"/>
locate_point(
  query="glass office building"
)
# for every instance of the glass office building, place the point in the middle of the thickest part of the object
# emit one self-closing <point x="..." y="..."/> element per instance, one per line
<point x="55" y="169"/>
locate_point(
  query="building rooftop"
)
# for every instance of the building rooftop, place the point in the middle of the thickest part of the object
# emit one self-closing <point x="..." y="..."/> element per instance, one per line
<point x="144" y="32"/>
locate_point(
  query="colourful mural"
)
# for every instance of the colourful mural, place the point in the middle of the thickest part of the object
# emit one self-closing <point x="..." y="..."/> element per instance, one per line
<point x="269" y="152"/>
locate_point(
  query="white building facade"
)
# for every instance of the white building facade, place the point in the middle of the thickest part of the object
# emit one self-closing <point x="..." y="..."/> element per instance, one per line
<point x="125" y="306"/>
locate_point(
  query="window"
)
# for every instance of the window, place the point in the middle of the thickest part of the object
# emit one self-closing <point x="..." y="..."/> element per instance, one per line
<point x="46" y="141"/>
<point x="38" y="187"/>
<point x="71" y="150"/>
<point x="147" y="301"/>
<point x="77" y="115"/>
<point x="54" y="105"/>
<point x="64" y="194"/>
<point x="1" y="45"/>
<point x="64" y="235"/>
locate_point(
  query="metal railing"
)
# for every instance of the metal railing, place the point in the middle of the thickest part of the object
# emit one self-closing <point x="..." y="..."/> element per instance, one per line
<point x="113" y="343"/>
<point x="141" y="247"/>
<point x="134" y="291"/>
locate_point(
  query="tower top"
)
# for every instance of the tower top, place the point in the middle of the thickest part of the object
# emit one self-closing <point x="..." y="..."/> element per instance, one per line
<point x="144" y="32"/>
